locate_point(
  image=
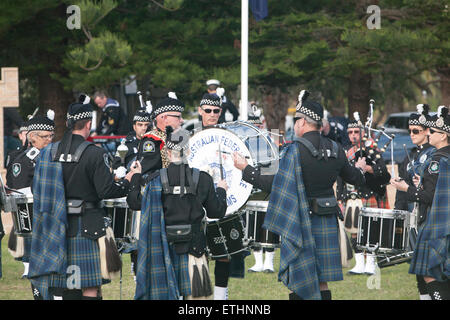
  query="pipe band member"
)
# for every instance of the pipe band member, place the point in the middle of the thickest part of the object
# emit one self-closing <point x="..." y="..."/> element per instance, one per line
<point x="172" y="237"/>
<point x="72" y="234"/>
<point x="430" y="191"/>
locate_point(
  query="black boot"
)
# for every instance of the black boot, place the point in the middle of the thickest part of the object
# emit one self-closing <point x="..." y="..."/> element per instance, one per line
<point x="326" y="294"/>
<point x="438" y="290"/>
<point x="294" y="296"/>
<point x="75" y="294"/>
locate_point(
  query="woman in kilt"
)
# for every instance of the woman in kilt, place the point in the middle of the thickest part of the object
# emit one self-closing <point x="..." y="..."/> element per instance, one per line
<point x="432" y="191"/>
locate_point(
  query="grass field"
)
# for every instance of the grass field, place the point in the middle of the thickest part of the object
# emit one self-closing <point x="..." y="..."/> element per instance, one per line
<point x="394" y="283"/>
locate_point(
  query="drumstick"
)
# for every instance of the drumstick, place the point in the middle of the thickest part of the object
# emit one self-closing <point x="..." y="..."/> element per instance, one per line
<point x="220" y="164"/>
<point x="226" y="152"/>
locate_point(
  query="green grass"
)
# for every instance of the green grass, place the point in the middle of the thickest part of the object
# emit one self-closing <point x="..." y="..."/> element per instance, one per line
<point x="395" y="283"/>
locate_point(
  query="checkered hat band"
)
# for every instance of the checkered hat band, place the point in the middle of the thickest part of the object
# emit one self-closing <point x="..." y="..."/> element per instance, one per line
<point x="309" y="113"/>
<point x="141" y="118"/>
<point x="414" y="122"/>
<point x="445" y="127"/>
<point x="40" y="127"/>
<point x="210" y="102"/>
<point x="353" y="125"/>
<point x="176" y="146"/>
<point x="80" y="116"/>
<point x="167" y="109"/>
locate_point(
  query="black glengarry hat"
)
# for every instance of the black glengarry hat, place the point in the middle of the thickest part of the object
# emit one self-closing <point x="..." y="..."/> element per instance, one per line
<point x="441" y="120"/>
<point x="311" y="109"/>
<point x="170" y="103"/>
<point x="421" y="117"/>
<point x="42" y="123"/>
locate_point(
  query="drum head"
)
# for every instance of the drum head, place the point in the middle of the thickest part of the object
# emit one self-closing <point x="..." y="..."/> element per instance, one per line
<point x="204" y="155"/>
<point x="259" y="142"/>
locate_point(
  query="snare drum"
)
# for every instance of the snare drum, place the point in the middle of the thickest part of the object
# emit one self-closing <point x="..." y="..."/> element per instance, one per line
<point x="225" y="236"/>
<point x="383" y="230"/>
<point x="22" y="213"/>
<point x="255" y="212"/>
<point x="124" y="221"/>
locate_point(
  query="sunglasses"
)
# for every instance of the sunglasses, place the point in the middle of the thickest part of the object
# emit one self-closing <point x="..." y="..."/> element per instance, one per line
<point x="216" y="111"/>
<point x="415" y="131"/>
<point x="353" y="131"/>
<point x="435" y="131"/>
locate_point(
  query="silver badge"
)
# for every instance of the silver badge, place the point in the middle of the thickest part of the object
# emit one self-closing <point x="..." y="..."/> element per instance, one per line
<point x="440" y="122"/>
<point x="423" y="158"/>
<point x="422" y="119"/>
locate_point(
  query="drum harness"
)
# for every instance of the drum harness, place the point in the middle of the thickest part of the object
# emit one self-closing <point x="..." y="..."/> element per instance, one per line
<point x="326" y="205"/>
<point x="76" y="207"/>
<point x="182" y="233"/>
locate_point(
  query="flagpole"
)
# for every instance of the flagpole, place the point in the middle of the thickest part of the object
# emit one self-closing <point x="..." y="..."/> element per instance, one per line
<point x="244" y="61"/>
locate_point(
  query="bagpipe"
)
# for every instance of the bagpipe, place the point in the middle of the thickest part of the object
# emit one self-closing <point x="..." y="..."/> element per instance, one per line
<point x="369" y="145"/>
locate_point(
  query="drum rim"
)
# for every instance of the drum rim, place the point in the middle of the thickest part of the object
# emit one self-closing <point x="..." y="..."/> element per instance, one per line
<point x="260" y="132"/>
<point x="368" y="209"/>
<point x="253" y="204"/>
<point x="228" y="217"/>
<point x="110" y="203"/>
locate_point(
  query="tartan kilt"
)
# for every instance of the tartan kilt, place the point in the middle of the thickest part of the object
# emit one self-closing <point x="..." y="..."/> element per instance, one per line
<point x="424" y="261"/>
<point x="326" y="236"/>
<point x="372" y="202"/>
<point x="181" y="268"/>
<point x="83" y="253"/>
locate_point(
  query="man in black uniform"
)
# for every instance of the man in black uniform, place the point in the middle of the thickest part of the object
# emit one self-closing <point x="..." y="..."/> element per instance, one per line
<point x="20" y="166"/>
<point x="84" y="172"/>
<point x="322" y="161"/>
<point x="152" y="151"/>
<point x="20" y="173"/>
<point x="372" y="194"/>
<point x="226" y="104"/>
<point x="430" y="191"/>
<point x="141" y="122"/>
<point x="186" y="193"/>
<point x="113" y="120"/>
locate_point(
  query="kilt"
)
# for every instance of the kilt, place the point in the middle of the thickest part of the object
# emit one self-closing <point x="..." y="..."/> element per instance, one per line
<point x="326" y="236"/>
<point x="372" y="202"/>
<point x="180" y="265"/>
<point x="82" y="253"/>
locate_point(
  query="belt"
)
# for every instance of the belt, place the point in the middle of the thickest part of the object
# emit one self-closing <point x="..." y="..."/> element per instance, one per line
<point x="77" y="206"/>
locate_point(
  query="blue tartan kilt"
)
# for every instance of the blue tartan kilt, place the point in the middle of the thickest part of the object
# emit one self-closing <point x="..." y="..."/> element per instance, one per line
<point x="82" y="253"/>
<point x="424" y="261"/>
<point x="326" y="236"/>
<point x="181" y="268"/>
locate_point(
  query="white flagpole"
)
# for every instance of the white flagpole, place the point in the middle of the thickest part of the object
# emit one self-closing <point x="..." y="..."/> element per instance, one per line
<point x="244" y="61"/>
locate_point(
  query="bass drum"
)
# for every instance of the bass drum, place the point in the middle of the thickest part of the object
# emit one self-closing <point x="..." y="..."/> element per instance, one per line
<point x="211" y="151"/>
<point x="259" y="142"/>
